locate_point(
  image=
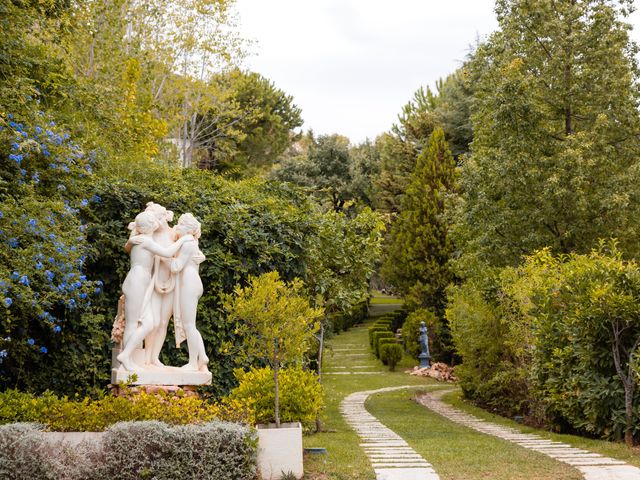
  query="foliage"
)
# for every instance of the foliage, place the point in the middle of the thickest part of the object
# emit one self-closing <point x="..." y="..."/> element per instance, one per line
<point x="554" y="339"/>
<point x="391" y="354"/>
<point x="251" y="128"/>
<point x="585" y="314"/>
<point x="337" y="174"/>
<point x="554" y="157"/>
<point x="133" y="450"/>
<point x="301" y="395"/>
<point x="381" y="343"/>
<point x="46" y="327"/>
<point x="275" y="322"/>
<point x="377" y="336"/>
<point x="87" y="415"/>
<point x="419" y="245"/>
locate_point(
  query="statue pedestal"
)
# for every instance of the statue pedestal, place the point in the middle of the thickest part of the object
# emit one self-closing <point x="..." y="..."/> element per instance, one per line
<point x="151" y="375"/>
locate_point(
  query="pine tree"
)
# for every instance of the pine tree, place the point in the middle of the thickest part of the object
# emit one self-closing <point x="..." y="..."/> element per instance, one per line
<point x="419" y="247"/>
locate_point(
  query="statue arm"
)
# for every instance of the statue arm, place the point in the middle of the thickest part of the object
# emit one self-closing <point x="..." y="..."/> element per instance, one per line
<point x="178" y="263"/>
<point x="161" y="251"/>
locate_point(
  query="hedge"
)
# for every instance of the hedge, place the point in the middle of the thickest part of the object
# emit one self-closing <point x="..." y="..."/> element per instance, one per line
<point x="391" y="354"/>
<point x="132" y="451"/>
<point x="376" y="337"/>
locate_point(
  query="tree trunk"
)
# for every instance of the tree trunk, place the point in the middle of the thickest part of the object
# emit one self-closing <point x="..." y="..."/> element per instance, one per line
<point x="629" y="390"/>
<point x="276" y="367"/>
<point x="320" y="350"/>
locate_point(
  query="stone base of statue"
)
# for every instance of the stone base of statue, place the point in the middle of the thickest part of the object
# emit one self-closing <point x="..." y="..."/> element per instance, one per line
<point x="151" y="375"/>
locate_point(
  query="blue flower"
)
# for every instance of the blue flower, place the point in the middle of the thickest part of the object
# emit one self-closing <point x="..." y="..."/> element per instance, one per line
<point x="7" y="302"/>
<point x="24" y="280"/>
<point x="31" y="341"/>
<point x="13" y="242"/>
<point x="84" y="202"/>
<point x="15" y="146"/>
<point x="38" y="130"/>
<point x="1" y="215"/>
<point x="82" y="296"/>
<point x="39" y="266"/>
<point x="16" y="158"/>
<point x="32" y="222"/>
<point x="71" y="304"/>
<point x="36" y="177"/>
<point x="57" y="329"/>
<point x="43" y="349"/>
<point x="50" y="275"/>
<point x="98" y="291"/>
<point x="15" y="275"/>
<point x="96" y="199"/>
<point x="51" y="260"/>
<point x="10" y="116"/>
<point x="3" y="354"/>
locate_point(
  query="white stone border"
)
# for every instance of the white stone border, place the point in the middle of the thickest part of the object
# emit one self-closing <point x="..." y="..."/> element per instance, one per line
<point x="593" y="466"/>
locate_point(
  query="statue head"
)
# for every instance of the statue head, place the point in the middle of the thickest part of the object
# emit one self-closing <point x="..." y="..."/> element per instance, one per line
<point x="145" y="223"/>
<point x="188" y="225"/>
<point x="162" y="214"/>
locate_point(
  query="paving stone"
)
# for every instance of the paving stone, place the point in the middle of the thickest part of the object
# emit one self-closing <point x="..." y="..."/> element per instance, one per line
<point x="390" y="456"/>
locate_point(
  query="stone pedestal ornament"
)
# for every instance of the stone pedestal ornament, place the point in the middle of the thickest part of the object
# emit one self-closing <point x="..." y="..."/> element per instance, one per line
<point x="424" y="356"/>
<point x="163" y="282"/>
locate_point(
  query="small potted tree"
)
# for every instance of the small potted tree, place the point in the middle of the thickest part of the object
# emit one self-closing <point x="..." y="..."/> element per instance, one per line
<point x="276" y="323"/>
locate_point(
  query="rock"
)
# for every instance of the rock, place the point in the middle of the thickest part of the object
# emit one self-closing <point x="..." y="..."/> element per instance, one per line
<point x="440" y="371"/>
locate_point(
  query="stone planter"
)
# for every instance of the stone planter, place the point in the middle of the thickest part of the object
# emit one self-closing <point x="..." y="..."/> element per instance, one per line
<point x="280" y="450"/>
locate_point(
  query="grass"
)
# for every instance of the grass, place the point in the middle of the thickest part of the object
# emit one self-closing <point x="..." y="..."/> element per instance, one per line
<point x="379" y="298"/>
<point x="456" y="452"/>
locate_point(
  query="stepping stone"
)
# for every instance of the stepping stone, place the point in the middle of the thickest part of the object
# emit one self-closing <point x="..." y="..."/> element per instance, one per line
<point x="593" y="466"/>
<point x="391" y="457"/>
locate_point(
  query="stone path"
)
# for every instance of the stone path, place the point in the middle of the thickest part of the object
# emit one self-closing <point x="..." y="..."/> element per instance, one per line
<point x="592" y="465"/>
<point x="391" y="457"/>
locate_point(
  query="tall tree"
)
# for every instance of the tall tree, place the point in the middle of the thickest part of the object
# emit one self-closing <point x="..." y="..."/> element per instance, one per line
<point x="555" y="120"/>
<point x="419" y="248"/>
<point x="250" y="126"/>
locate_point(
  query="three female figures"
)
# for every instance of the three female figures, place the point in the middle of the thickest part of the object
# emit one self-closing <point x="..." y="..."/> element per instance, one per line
<point x="163" y="282"/>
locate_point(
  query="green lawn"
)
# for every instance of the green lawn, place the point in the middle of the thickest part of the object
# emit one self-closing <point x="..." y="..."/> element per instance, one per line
<point x="455" y="451"/>
<point x="378" y="298"/>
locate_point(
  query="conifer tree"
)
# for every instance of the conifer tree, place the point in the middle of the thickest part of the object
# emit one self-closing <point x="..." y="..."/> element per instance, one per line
<point x="419" y="247"/>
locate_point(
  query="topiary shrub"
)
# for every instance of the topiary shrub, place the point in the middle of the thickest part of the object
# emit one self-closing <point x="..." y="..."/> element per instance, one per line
<point x="376" y="337"/>
<point x="381" y="343"/>
<point x="374" y="329"/>
<point x="301" y="395"/>
<point x="391" y="354"/>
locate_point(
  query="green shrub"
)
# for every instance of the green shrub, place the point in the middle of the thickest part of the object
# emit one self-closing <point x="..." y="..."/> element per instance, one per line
<point x="384" y="341"/>
<point x="301" y="395"/>
<point x="375" y="329"/>
<point x="69" y="415"/>
<point x="132" y="451"/>
<point x="391" y="354"/>
<point x="377" y="336"/>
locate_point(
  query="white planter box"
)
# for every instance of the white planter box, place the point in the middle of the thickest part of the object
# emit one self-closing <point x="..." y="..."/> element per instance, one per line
<point x="280" y="450"/>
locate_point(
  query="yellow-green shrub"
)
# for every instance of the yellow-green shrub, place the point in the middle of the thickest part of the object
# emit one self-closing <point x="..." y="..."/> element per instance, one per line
<point x="301" y="396"/>
<point x="391" y="354"/>
<point x="64" y="414"/>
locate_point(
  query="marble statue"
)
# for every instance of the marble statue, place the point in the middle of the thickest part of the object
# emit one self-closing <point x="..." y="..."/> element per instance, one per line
<point x="424" y="356"/>
<point x="163" y="282"/>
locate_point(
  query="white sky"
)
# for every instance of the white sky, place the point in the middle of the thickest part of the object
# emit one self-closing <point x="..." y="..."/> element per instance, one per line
<point x="352" y="64"/>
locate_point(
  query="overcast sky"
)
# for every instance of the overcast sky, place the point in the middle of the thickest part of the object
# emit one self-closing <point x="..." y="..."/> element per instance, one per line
<point x="352" y="64"/>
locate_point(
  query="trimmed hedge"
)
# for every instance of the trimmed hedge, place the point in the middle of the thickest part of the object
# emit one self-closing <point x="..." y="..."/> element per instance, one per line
<point x="132" y="451"/>
<point x="382" y="342"/>
<point x="375" y="329"/>
<point x="391" y="354"/>
<point x="87" y="415"/>
<point x="377" y="336"/>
